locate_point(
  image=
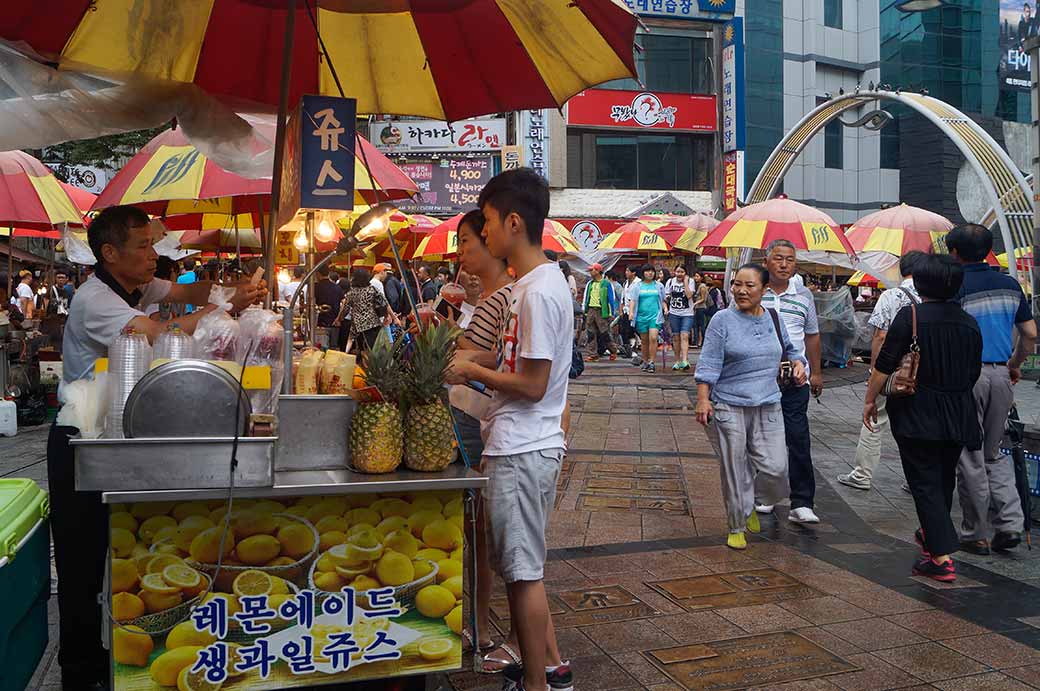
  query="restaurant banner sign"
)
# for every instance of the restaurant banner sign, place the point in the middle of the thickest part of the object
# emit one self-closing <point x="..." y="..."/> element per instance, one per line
<point x="318" y="168"/>
<point x="684" y="9"/>
<point x="403" y="136"/>
<point x="643" y="110"/>
<point x="311" y="591"/>
<point x="732" y="179"/>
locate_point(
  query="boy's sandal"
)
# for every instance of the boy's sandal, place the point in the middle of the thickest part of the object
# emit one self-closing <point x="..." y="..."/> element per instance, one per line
<point x="467" y="644"/>
<point x="498" y="659"/>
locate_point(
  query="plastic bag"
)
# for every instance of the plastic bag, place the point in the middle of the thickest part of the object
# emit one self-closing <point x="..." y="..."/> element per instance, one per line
<point x="261" y="337"/>
<point x="217" y="333"/>
<point x="83" y="405"/>
<point x="337" y="373"/>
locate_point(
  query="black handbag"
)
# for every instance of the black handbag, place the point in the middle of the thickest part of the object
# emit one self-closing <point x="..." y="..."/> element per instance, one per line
<point x="785" y="375"/>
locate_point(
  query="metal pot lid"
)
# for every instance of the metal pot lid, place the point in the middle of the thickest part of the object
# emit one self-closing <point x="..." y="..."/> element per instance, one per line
<point x="186" y="398"/>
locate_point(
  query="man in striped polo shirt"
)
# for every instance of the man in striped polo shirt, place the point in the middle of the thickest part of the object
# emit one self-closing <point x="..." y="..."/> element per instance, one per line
<point x="796" y="306"/>
<point x="992" y="510"/>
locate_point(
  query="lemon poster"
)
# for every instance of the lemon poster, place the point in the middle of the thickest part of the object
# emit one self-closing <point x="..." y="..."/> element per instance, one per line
<point x="310" y="590"/>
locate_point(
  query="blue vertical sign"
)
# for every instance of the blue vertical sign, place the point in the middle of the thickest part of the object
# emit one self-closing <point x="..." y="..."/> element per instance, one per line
<point x="733" y="130"/>
<point x="327" y="152"/>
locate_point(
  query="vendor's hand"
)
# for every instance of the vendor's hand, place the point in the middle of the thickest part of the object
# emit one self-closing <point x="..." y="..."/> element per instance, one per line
<point x="458" y="370"/>
<point x="247" y="294"/>
<point x="816" y="384"/>
<point x="703" y="412"/>
<point x="870" y="415"/>
<point x="798" y="370"/>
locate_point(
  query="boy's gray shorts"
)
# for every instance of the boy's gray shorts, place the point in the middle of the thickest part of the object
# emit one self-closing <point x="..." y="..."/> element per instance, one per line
<point x="521" y="491"/>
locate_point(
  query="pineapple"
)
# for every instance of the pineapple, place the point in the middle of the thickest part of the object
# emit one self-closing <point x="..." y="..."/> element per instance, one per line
<point x="429" y="433"/>
<point x="375" y="430"/>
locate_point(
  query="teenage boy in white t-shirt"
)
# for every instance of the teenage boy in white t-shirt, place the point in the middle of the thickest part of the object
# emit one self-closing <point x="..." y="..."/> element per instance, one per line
<point x="524" y="440"/>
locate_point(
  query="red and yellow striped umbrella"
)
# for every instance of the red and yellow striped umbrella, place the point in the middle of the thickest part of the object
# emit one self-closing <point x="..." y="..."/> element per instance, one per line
<point x="685" y="233"/>
<point x="445" y="59"/>
<point x="641" y="235"/>
<point x="898" y="230"/>
<point x="80" y="197"/>
<point x="220" y="232"/>
<point x="756" y="225"/>
<point x="442" y="241"/>
<point x="31" y="197"/>
<point x="557" y="238"/>
<point x="169" y="176"/>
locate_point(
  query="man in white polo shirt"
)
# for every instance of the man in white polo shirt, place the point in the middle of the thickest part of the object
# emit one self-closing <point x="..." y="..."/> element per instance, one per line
<point x="796" y="306"/>
<point x="115" y="297"/>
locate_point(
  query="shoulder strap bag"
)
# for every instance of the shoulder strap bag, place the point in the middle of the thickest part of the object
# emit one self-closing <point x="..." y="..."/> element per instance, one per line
<point x="785" y="376"/>
<point x="903" y="382"/>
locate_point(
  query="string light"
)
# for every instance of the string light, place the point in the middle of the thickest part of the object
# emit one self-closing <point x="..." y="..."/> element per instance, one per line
<point x="301" y="242"/>
<point x="325" y="231"/>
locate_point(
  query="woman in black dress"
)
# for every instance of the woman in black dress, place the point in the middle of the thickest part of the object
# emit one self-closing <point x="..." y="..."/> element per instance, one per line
<point x="933" y="425"/>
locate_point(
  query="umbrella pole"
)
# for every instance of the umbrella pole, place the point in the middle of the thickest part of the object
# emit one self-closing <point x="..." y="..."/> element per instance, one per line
<point x="10" y="262"/>
<point x="279" y="142"/>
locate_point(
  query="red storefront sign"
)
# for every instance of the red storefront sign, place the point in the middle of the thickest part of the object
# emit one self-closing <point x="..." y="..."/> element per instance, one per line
<point x="729" y="181"/>
<point x="643" y="110"/>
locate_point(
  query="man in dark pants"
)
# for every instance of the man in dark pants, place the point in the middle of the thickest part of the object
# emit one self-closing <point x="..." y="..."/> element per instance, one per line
<point x="115" y="297"/>
<point x="796" y="306"/>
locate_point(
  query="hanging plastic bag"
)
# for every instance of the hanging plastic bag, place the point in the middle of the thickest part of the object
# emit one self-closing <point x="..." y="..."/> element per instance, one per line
<point x="217" y="333"/>
<point x="261" y="337"/>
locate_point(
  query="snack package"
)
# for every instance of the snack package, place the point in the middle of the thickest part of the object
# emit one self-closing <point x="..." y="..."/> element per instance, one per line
<point x="308" y="372"/>
<point x="261" y="337"/>
<point x="217" y="333"/>
<point x="337" y="373"/>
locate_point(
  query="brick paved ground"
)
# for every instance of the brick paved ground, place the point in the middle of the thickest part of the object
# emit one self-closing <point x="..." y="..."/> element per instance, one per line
<point x="637" y="562"/>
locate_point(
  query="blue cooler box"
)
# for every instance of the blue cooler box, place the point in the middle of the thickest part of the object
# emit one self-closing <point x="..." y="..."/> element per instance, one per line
<point x="25" y="580"/>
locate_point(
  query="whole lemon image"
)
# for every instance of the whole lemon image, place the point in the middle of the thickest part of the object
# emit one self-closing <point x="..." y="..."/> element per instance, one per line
<point x="258" y="550"/>
<point x="152" y="525"/>
<point x="122" y="542"/>
<point x="420" y="519"/>
<point x="166" y="667"/>
<point x="454" y="584"/>
<point x="422" y="567"/>
<point x="189" y="508"/>
<point x="402" y="541"/>
<point x="185" y="634"/>
<point x="127" y="606"/>
<point x="394" y="568"/>
<point x="434" y="601"/>
<point x="448" y="568"/>
<point x="297" y="540"/>
<point x="205" y="548"/>
<point x="454" y="620"/>
<point x="442" y="534"/>
<point x="131" y="646"/>
<point x="124" y="575"/>
<point x="122" y="519"/>
<point x="252" y="522"/>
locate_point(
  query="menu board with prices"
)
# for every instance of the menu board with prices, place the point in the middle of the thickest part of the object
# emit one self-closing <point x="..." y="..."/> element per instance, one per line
<point x="447" y="185"/>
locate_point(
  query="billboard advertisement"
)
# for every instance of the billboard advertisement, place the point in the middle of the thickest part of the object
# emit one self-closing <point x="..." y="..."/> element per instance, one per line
<point x="310" y="591"/>
<point x="1018" y="22"/>
<point x="643" y="110"/>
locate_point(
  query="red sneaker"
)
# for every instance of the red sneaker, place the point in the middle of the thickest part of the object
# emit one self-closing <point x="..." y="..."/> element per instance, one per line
<point x="944" y="572"/>
<point x="613" y="356"/>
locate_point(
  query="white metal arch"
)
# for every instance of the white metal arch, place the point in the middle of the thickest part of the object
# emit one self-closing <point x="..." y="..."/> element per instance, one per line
<point x="1008" y="191"/>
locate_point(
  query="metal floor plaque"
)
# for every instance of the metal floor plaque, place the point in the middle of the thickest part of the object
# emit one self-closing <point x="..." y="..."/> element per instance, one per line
<point x="735" y="589"/>
<point x="751" y="661"/>
<point x="571" y="608"/>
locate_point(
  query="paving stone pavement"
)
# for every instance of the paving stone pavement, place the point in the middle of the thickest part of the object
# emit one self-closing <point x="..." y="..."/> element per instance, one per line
<point x="646" y="595"/>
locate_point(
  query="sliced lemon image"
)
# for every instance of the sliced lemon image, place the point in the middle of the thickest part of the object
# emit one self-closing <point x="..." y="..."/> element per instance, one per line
<point x="158" y="563"/>
<point x="252" y="583"/>
<point x="155" y="583"/>
<point x="181" y="576"/>
<point x="433" y="649"/>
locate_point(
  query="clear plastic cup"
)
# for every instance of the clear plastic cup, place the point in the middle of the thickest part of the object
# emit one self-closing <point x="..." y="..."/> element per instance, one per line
<point x="454" y="293"/>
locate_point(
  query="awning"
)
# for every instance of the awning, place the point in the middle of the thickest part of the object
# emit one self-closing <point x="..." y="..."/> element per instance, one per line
<point x="21" y="255"/>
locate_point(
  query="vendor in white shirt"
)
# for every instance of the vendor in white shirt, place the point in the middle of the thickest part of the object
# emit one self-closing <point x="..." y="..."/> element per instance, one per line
<point x="24" y="297"/>
<point x="122" y="287"/>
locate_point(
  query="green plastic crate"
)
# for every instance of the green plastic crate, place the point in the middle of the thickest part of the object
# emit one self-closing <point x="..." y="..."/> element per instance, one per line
<point x="25" y="578"/>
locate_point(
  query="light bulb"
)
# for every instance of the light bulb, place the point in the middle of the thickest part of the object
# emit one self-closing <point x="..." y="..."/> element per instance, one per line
<point x="325" y="232"/>
<point x="283" y="276"/>
<point x="300" y="242"/>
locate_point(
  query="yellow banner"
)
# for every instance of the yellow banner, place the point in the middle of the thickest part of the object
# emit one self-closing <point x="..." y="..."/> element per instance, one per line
<point x="173" y="172"/>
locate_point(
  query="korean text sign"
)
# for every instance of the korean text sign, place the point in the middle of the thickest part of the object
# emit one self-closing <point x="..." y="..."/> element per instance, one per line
<point x="312" y="590"/>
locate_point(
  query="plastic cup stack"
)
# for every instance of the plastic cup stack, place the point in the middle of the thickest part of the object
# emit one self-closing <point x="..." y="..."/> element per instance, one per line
<point x="129" y="358"/>
<point x="174" y="344"/>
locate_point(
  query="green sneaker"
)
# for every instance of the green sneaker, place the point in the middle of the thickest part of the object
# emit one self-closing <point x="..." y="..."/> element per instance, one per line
<point x="752" y="523"/>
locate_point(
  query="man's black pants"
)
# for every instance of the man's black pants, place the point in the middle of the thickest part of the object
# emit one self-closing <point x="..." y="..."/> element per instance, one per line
<point x="795" y="403"/>
<point x="931" y="471"/>
<point x="79" y="525"/>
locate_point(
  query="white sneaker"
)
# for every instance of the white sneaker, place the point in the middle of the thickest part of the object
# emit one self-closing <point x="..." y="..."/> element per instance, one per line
<point x="854" y="480"/>
<point x="803" y="514"/>
<point x="763" y="508"/>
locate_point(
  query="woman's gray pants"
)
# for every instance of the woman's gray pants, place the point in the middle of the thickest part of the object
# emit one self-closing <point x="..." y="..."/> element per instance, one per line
<point x="750" y="443"/>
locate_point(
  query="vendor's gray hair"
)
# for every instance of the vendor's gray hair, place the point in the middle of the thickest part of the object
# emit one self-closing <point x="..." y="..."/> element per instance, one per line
<point x="779" y="243"/>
